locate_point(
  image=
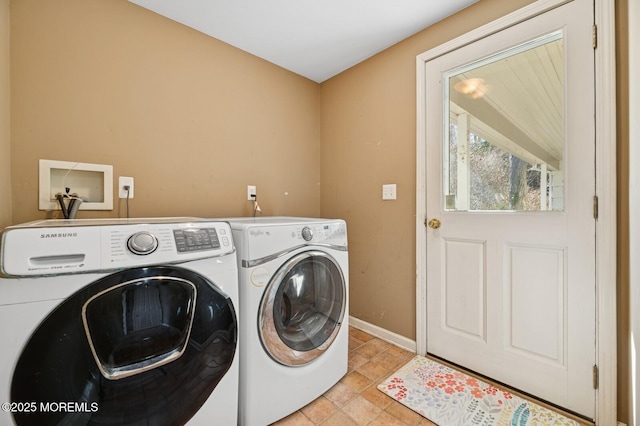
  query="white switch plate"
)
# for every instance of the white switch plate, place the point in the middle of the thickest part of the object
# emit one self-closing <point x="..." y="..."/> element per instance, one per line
<point x="122" y="182"/>
<point x="389" y="191"/>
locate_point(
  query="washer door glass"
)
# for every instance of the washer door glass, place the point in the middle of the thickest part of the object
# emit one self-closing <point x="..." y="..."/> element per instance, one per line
<point x="139" y="325"/>
<point x="143" y="346"/>
<point x="302" y="308"/>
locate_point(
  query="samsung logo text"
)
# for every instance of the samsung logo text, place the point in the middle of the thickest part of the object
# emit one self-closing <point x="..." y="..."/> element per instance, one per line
<point x="60" y="235"/>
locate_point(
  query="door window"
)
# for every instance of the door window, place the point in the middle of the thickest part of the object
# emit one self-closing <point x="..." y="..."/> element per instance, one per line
<point x="504" y="130"/>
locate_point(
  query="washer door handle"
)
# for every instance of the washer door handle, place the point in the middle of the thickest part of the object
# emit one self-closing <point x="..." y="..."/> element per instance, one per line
<point x="142" y="337"/>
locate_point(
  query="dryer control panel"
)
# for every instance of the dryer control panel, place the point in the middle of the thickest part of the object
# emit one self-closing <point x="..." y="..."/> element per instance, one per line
<point x="82" y="246"/>
<point x="267" y="239"/>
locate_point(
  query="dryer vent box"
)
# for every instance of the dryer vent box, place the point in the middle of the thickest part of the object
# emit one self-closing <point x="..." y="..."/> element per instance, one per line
<point x="92" y="182"/>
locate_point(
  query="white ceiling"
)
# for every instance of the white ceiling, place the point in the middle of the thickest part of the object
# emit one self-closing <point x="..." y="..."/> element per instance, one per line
<point x="316" y="39"/>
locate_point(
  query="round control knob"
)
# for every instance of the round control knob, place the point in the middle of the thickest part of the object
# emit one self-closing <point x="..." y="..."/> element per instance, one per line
<point x="307" y="233"/>
<point x="142" y="243"/>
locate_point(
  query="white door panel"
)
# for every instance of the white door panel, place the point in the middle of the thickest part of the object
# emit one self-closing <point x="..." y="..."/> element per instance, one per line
<point x="464" y="288"/>
<point x="511" y="292"/>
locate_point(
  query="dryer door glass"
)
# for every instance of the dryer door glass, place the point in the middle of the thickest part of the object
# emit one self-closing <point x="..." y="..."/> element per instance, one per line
<point x="303" y="308"/>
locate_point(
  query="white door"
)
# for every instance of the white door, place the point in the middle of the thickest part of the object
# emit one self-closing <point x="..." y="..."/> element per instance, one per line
<point x="510" y="181"/>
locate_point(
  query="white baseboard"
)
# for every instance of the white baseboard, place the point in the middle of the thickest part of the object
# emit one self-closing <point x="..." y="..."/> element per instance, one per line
<point x="381" y="333"/>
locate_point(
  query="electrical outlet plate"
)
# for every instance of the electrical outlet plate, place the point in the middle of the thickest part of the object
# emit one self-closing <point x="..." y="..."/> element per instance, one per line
<point x="251" y="192"/>
<point x="122" y="182"/>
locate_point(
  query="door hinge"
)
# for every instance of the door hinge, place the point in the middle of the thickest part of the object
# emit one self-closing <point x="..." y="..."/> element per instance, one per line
<point x="595" y="206"/>
<point x="595" y="36"/>
<point x="595" y="377"/>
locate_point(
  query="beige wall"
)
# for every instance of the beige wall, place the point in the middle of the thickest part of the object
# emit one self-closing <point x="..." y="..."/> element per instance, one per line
<point x="192" y="119"/>
<point x="5" y="140"/>
<point x="369" y="139"/>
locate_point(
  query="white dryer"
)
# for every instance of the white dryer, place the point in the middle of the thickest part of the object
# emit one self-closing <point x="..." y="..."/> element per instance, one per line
<point x="119" y="322"/>
<point x="294" y="276"/>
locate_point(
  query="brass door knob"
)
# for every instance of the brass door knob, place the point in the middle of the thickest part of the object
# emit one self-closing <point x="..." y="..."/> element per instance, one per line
<point x="434" y="224"/>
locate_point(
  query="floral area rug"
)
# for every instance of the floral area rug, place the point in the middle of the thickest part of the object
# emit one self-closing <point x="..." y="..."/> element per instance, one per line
<point x="448" y="397"/>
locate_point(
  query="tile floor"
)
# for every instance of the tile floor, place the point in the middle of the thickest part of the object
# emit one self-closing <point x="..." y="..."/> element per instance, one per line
<point x="355" y="400"/>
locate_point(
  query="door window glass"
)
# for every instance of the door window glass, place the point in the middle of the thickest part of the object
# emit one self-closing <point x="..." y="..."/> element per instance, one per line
<point x="504" y="130"/>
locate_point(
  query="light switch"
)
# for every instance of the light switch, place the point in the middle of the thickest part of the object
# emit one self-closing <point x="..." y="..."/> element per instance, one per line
<point x="389" y="191"/>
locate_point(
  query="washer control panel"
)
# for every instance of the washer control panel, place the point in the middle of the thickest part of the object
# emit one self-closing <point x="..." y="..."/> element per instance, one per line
<point x="188" y="240"/>
<point x="84" y="246"/>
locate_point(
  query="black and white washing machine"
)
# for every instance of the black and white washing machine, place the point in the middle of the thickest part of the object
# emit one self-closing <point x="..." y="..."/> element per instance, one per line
<point x="119" y="322"/>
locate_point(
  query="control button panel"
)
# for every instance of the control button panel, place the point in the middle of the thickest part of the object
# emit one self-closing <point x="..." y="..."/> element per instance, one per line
<point x="331" y="232"/>
<point x="48" y="250"/>
<point x="191" y="239"/>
